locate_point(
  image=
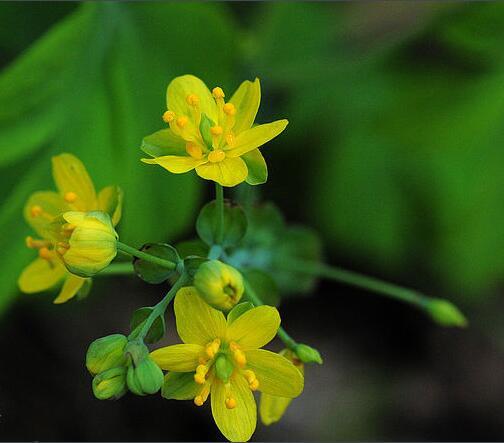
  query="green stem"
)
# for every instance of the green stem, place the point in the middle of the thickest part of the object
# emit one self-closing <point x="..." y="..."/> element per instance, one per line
<point x="160" y="308"/>
<point x="358" y="280"/>
<point x="282" y="333"/>
<point x="219" y="199"/>
<point x="144" y="256"/>
<point x="122" y="268"/>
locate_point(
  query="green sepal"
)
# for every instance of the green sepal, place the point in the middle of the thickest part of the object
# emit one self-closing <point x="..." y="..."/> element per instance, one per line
<point x="163" y="142"/>
<point x="180" y="386"/>
<point x="192" y="264"/>
<point x="263" y="285"/>
<point x="136" y="350"/>
<point x="145" y="378"/>
<point x="105" y="353"/>
<point x="235" y="224"/>
<point x="133" y="383"/>
<point x="205" y="125"/>
<point x="157" y="329"/>
<point x="110" y="384"/>
<point x="85" y="289"/>
<point x="151" y="272"/>
<point x="195" y="247"/>
<point x="238" y="310"/>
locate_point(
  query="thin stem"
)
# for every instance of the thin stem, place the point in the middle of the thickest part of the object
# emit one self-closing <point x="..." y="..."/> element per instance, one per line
<point x="144" y="256"/>
<point x="282" y="333"/>
<point x="123" y="268"/>
<point x="219" y="199"/>
<point x="160" y="308"/>
<point x="358" y="280"/>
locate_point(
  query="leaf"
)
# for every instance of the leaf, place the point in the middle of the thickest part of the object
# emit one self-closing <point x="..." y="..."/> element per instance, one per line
<point x="93" y="85"/>
<point x="152" y="272"/>
<point x="156" y="331"/>
<point x="194" y="247"/>
<point x="234" y="226"/>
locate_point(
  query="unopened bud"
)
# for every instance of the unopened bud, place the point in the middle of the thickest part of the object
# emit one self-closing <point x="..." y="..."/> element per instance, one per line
<point x="105" y="353"/>
<point x="110" y="384"/>
<point x="145" y="378"/>
<point x="446" y="313"/>
<point x="307" y="354"/>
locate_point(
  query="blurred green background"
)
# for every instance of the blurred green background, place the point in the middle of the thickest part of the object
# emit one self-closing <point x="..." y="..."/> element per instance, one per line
<point x="394" y="152"/>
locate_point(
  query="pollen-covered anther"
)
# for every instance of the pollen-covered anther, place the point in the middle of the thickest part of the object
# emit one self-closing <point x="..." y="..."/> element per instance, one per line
<point x="216" y="156"/>
<point x="70" y="197"/>
<point x="200" y="375"/>
<point x="201" y="398"/>
<point x="230" y="403"/>
<point x="182" y="121"/>
<point x="218" y="92"/>
<point x="216" y="130"/>
<point x="36" y="210"/>
<point x="212" y="348"/>
<point x="192" y="100"/>
<point x="168" y="116"/>
<point x="229" y="109"/>
<point x="230" y="140"/>
<point x="239" y="357"/>
<point x="194" y="151"/>
<point x="254" y="386"/>
<point x="45" y="253"/>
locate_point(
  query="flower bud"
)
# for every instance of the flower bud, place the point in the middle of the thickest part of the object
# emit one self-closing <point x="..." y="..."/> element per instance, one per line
<point x="89" y="242"/>
<point x="220" y="285"/>
<point x="105" y="353"/>
<point x="111" y="384"/>
<point x="307" y="354"/>
<point x="145" y="378"/>
<point x="445" y="313"/>
<point x="271" y="407"/>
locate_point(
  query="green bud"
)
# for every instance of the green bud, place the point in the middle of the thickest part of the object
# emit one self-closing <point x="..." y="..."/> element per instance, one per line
<point x="223" y="368"/>
<point x="105" y="353"/>
<point x="137" y="351"/>
<point x="445" y="313"/>
<point x="220" y="285"/>
<point x="110" y="384"/>
<point x="145" y="378"/>
<point x="307" y="354"/>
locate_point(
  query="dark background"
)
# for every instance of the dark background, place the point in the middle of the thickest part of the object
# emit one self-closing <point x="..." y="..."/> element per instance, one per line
<point x="394" y="153"/>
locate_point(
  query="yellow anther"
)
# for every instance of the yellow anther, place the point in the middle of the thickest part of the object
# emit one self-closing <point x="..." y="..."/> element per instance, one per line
<point x="218" y="92"/>
<point x="230" y="403"/>
<point x="239" y="358"/>
<point x="70" y="197"/>
<point x="230" y="140"/>
<point x="194" y="151"/>
<point x="216" y="156"/>
<point x="61" y="251"/>
<point x="199" y="378"/>
<point x="249" y="375"/>
<point x="192" y="99"/>
<point x="182" y="121"/>
<point x="233" y="346"/>
<point x="198" y="400"/>
<point x="229" y="109"/>
<point x="216" y="130"/>
<point x="168" y="116"/>
<point x="29" y="242"/>
<point x="202" y="360"/>
<point x="213" y="348"/>
<point x="254" y="385"/>
<point x="202" y="369"/>
<point x="36" y="210"/>
<point x="45" y="253"/>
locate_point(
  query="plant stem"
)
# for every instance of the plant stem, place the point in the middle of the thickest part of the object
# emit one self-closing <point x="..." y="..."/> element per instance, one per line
<point x="219" y="199"/>
<point x="144" y="256"/>
<point x="122" y="268"/>
<point x="358" y="280"/>
<point x="160" y="308"/>
<point x="282" y="333"/>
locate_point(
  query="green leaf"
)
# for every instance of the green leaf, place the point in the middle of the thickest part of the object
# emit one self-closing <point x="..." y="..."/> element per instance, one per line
<point x="192" y="247"/>
<point x="156" y="331"/>
<point x="94" y="85"/>
<point x="180" y="386"/>
<point x="235" y="224"/>
<point x="238" y="310"/>
<point x="151" y="272"/>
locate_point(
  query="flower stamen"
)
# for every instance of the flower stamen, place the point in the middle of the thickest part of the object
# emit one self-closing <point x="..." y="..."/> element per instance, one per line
<point x="201" y="398"/>
<point x="212" y="348"/>
<point x="194" y="151"/>
<point x="70" y="197"/>
<point x="216" y="156"/>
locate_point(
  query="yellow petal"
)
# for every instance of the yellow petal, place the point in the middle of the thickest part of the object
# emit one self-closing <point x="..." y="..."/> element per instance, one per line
<point x="70" y="175"/>
<point x="40" y="275"/>
<point x="178" y="164"/>
<point x="163" y="142"/>
<point x="179" y="358"/>
<point x="272" y="408"/>
<point x="228" y="172"/>
<point x="276" y="375"/>
<point x="246" y="100"/>
<point x="236" y="424"/>
<point x="70" y="288"/>
<point x="181" y="87"/>
<point x="255" y="328"/>
<point x="257" y="168"/>
<point x="51" y="204"/>
<point x="180" y="386"/>
<point x="196" y="321"/>
<point x="110" y="200"/>
<point x="255" y="137"/>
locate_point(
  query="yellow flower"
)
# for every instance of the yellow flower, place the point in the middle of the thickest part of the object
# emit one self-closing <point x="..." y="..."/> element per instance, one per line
<point x="76" y="192"/>
<point x="214" y="137"/>
<point x="87" y="242"/>
<point x="273" y="407"/>
<point x="221" y="358"/>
